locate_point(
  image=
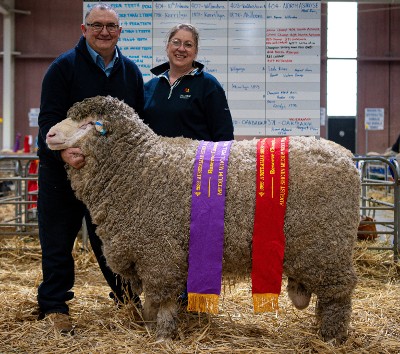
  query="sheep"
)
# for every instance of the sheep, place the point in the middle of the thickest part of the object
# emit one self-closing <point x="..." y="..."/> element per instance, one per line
<point x="137" y="187"/>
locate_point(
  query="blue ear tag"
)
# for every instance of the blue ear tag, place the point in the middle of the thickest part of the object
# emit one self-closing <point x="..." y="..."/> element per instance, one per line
<point x="99" y="127"/>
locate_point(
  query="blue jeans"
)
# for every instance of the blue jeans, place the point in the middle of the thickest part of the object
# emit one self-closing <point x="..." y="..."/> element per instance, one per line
<point x="60" y="217"/>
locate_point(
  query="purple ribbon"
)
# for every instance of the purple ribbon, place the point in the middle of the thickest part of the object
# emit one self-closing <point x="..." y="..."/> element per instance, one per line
<point x="207" y="217"/>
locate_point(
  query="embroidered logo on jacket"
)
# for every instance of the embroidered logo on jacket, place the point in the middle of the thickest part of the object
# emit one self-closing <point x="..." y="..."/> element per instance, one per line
<point x="185" y="97"/>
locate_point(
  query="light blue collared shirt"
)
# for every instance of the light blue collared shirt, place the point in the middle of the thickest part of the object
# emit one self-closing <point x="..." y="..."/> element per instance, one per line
<point x="97" y="58"/>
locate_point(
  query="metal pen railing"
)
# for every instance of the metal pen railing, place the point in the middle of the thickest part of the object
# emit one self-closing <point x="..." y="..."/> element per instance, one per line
<point x="380" y="173"/>
<point x="18" y="206"/>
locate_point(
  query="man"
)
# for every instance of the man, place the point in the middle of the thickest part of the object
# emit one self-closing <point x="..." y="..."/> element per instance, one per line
<point x="94" y="67"/>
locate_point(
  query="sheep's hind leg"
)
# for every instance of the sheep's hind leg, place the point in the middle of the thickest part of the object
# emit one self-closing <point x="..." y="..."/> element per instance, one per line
<point x="334" y="318"/>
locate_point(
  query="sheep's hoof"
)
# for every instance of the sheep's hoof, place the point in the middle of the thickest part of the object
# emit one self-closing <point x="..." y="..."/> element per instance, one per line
<point x="165" y="336"/>
<point x="164" y="341"/>
<point x="151" y="326"/>
<point x="334" y="340"/>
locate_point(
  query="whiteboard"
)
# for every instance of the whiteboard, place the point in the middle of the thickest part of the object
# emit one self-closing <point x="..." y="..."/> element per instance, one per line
<point x="266" y="55"/>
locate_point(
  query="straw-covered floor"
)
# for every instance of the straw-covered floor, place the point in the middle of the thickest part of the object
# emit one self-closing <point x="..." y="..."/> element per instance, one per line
<point x="102" y="328"/>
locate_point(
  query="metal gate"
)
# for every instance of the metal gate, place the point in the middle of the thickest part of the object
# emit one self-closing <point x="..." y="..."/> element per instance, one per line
<point x="381" y="174"/>
<point x="18" y="194"/>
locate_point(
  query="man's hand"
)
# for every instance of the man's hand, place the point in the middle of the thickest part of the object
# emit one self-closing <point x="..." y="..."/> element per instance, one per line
<point x="73" y="157"/>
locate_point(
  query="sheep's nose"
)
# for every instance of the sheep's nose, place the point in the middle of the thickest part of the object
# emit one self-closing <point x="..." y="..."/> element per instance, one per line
<point x="50" y="135"/>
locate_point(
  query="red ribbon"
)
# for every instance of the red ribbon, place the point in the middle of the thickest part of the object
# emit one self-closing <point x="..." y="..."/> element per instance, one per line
<point x="268" y="236"/>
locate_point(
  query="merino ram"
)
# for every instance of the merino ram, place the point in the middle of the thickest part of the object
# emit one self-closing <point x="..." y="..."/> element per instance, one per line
<point x="137" y="187"/>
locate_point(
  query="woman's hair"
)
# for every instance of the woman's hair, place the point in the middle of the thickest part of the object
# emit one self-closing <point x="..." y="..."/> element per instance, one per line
<point x="186" y="27"/>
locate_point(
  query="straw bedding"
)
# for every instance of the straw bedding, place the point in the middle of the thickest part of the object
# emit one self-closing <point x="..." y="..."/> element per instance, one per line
<point x="101" y="328"/>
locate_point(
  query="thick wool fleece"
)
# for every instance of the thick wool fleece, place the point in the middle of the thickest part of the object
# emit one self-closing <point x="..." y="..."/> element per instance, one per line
<point x="137" y="186"/>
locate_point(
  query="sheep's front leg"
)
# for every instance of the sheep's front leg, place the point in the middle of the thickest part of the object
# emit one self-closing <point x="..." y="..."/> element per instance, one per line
<point x="150" y="311"/>
<point x="334" y="318"/>
<point x="167" y="320"/>
<point x="162" y="317"/>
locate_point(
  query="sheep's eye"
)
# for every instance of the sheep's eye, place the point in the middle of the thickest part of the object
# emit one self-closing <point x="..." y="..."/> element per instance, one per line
<point x="84" y="126"/>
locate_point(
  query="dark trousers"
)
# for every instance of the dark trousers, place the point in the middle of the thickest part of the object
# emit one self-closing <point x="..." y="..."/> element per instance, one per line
<point x="60" y="217"/>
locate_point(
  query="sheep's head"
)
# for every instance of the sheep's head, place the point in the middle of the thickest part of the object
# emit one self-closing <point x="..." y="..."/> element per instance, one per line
<point x="92" y="114"/>
<point x="68" y="132"/>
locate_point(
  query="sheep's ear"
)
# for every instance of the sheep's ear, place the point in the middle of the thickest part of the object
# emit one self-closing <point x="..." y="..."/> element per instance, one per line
<point x="100" y="127"/>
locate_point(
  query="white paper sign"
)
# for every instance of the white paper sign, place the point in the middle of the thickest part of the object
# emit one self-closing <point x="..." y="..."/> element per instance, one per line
<point x="374" y="118"/>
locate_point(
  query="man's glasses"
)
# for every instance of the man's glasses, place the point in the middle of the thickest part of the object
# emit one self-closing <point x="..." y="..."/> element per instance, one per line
<point x="98" y="27"/>
<point x="177" y="43"/>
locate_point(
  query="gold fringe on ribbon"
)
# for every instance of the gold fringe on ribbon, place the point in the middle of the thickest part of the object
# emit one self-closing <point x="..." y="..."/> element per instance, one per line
<point x="265" y="302"/>
<point x="203" y="303"/>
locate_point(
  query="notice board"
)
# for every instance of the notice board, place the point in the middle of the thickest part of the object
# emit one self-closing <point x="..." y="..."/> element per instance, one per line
<point x="266" y="55"/>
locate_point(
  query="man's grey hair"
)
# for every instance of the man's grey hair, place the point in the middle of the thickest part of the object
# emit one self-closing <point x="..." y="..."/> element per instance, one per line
<point x="101" y="6"/>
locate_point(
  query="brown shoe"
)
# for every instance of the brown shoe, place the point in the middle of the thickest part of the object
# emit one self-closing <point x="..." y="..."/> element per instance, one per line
<point x="61" y="323"/>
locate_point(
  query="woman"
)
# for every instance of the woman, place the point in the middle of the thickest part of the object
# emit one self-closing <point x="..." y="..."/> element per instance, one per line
<point x="183" y="100"/>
